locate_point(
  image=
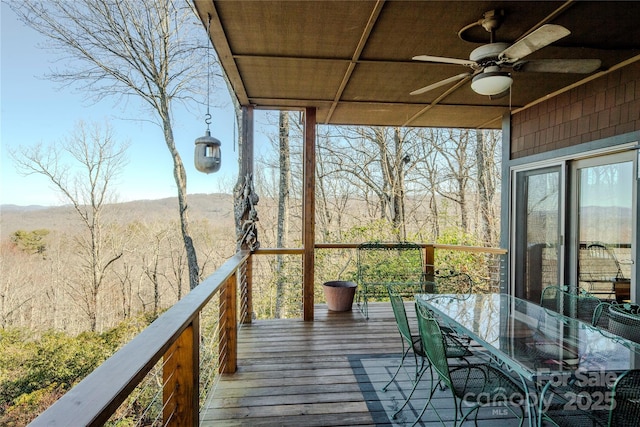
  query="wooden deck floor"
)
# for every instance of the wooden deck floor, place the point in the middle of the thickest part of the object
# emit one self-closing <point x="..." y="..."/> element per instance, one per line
<point x="323" y="373"/>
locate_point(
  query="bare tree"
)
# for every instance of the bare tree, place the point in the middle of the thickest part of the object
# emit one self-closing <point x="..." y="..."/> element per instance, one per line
<point x="428" y="177"/>
<point x="17" y="272"/>
<point x="488" y="170"/>
<point x="332" y="192"/>
<point x="283" y="207"/>
<point x="122" y="48"/>
<point x="176" y="259"/>
<point x="100" y="158"/>
<point x="458" y="169"/>
<point x="376" y="160"/>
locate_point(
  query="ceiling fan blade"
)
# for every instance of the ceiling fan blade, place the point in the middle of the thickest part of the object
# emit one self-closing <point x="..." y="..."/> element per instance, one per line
<point x="444" y="60"/>
<point x="440" y="83"/>
<point x="577" y="66"/>
<point x="538" y="39"/>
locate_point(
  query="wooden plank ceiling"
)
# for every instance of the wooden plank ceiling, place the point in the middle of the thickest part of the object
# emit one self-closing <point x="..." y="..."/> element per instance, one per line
<point x="352" y="59"/>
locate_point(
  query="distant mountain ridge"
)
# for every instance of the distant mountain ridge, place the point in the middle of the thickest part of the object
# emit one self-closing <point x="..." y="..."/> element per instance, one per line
<point x="216" y="208"/>
<point x="19" y="208"/>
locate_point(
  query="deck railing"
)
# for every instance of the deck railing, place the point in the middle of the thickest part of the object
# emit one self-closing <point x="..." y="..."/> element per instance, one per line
<point x="173" y="341"/>
<point x="195" y="334"/>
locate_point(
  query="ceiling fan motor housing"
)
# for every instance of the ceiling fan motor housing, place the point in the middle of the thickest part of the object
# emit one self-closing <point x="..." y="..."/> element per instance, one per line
<point x="491" y="81"/>
<point x="488" y="53"/>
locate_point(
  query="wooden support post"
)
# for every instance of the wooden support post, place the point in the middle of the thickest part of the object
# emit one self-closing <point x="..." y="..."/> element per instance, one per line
<point x="228" y="329"/>
<point x="429" y="262"/>
<point x="246" y="168"/>
<point x="181" y="372"/>
<point x="246" y="146"/>
<point x="309" y="213"/>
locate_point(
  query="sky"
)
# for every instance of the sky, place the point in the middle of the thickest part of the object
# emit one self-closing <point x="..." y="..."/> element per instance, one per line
<point x="35" y="110"/>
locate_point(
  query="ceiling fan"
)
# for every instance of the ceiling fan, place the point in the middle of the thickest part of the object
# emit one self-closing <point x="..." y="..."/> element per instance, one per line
<point x="488" y="62"/>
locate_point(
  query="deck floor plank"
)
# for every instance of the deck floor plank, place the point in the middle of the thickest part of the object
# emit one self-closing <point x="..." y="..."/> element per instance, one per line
<point x="296" y="373"/>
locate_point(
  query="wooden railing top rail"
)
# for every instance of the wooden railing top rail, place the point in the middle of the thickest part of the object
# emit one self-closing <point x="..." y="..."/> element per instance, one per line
<point x="477" y="249"/>
<point x="299" y="251"/>
<point x="97" y="396"/>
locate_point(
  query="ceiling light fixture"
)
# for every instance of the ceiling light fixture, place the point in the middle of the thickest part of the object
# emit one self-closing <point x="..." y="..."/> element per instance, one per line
<point x="491" y="82"/>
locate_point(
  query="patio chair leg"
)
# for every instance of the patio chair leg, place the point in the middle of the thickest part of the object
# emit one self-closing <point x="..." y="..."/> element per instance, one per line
<point x="363" y="306"/>
<point x="398" y="368"/>
<point x="424" y="408"/>
<point x="413" y="389"/>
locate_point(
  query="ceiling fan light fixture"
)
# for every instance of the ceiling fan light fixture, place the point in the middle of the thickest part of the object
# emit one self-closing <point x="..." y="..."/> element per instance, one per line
<point x="491" y="82"/>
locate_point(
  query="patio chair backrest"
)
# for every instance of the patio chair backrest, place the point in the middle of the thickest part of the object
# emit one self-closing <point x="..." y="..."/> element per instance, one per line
<point x="400" y="314"/>
<point x="597" y="263"/>
<point x="625" y="405"/>
<point x="620" y="407"/>
<point x="601" y="315"/>
<point x="619" y="319"/>
<point x="581" y="305"/>
<point x="450" y="282"/>
<point x="385" y="263"/>
<point x="433" y="343"/>
<point x="382" y="264"/>
<point x="550" y="298"/>
<point x="624" y="320"/>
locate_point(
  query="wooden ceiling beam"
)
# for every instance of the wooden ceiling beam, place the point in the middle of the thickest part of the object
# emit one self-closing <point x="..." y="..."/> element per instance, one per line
<point x="223" y="49"/>
<point x="377" y="8"/>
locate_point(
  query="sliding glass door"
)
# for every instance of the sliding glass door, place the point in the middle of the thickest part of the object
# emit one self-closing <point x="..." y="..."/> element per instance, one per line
<point x="538" y="224"/>
<point x="576" y="228"/>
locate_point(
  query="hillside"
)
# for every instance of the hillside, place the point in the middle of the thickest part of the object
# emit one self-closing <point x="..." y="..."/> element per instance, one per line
<point x="217" y="208"/>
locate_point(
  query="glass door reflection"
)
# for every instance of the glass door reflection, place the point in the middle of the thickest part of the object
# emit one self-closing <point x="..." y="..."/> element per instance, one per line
<point x="605" y="225"/>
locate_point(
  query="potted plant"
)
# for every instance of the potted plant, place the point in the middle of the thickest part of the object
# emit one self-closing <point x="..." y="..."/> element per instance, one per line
<point x="339" y="294"/>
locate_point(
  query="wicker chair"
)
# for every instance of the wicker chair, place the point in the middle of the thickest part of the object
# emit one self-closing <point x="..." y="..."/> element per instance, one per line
<point x="475" y="385"/>
<point x="612" y="406"/>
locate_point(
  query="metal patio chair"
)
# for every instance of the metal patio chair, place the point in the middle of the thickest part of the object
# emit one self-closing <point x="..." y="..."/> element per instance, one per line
<point x="471" y="385"/>
<point x="449" y="282"/>
<point x="412" y="342"/>
<point x="611" y="406"/>
<point x="381" y="264"/>
<point x="599" y="269"/>
<point x="581" y="305"/>
<point x="619" y="319"/>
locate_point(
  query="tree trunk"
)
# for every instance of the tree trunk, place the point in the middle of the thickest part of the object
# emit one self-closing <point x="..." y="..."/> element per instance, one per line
<point x="398" y="185"/>
<point x="482" y="188"/>
<point x="180" y="177"/>
<point x="462" y="201"/>
<point x="283" y="210"/>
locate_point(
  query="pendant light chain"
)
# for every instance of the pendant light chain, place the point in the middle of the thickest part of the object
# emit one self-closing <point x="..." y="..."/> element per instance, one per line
<point x="208" y="115"/>
<point x="207" y="154"/>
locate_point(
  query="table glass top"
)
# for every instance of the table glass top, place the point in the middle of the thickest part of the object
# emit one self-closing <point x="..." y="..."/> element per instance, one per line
<point x="533" y="340"/>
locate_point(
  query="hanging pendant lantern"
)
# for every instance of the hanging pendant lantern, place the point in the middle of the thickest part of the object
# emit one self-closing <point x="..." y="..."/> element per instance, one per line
<point x="207" y="156"/>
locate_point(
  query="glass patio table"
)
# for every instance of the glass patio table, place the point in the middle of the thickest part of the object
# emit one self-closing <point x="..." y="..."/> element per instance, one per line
<point x="542" y="347"/>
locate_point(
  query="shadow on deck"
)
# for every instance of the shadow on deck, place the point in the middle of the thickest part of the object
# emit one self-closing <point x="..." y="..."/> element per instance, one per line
<point x="324" y="373"/>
